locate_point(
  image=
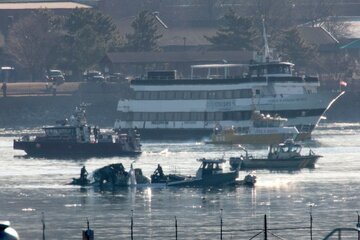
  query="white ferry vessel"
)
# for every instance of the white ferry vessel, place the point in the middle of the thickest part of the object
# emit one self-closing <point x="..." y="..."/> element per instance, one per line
<point x="165" y="106"/>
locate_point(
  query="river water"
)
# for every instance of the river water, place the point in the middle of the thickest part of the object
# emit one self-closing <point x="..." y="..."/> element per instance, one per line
<point x="32" y="186"/>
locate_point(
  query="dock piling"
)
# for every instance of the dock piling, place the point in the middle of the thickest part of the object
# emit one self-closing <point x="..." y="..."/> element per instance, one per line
<point x="132" y="225"/>
<point x="43" y="225"/>
<point x="176" y="229"/>
<point x="358" y="224"/>
<point x="265" y="228"/>
<point x="311" y="223"/>
<point x="221" y="224"/>
<point x="88" y="234"/>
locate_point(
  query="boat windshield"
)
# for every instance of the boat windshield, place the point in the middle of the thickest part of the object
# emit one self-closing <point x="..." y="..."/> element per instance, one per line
<point x="53" y="132"/>
<point x="262" y="121"/>
<point x="269" y="123"/>
<point x="290" y="148"/>
<point x="209" y="166"/>
<point x="217" y="71"/>
<point x="271" y="69"/>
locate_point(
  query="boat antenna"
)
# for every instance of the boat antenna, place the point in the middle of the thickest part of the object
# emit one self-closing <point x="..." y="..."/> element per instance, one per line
<point x="267" y="50"/>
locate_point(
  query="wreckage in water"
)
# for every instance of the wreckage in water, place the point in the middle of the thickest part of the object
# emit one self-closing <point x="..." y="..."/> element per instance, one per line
<point x="209" y="174"/>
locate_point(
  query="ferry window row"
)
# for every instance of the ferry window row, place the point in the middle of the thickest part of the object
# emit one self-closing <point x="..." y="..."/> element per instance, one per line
<point x="177" y="95"/>
<point x="211" y="116"/>
<point x="185" y="116"/>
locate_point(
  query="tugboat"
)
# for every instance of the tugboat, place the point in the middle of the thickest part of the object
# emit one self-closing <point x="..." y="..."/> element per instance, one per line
<point x="74" y="137"/>
<point x="284" y="156"/>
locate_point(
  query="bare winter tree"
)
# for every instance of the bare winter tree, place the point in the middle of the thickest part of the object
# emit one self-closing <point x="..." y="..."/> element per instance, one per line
<point x="323" y="13"/>
<point x="278" y="15"/>
<point x="31" y="41"/>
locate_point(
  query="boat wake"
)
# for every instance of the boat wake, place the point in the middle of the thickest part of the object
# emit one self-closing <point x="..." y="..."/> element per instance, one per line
<point x="164" y="152"/>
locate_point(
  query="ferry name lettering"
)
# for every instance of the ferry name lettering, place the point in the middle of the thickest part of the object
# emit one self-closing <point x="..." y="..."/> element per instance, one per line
<point x="287" y="100"/>
<point x="224" y="105"/>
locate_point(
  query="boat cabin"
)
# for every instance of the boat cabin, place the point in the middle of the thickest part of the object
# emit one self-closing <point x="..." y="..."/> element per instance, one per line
<point x="284" y="150"/>
<point x="271" y="69"/>
<point x="209" y="167"/>
<point x="262" y="121"/>
<point x="65" y="133"/>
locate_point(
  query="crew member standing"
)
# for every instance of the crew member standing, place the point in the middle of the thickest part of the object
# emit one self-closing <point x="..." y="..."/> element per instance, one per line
<point x="83" y="173"/>
<point x="4" y="89"/>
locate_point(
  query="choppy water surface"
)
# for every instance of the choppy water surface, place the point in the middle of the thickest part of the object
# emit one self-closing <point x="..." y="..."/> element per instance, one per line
<point x="30" y="186"/>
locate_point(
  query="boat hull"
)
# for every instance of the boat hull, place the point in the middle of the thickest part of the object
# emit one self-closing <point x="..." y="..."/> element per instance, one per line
<point x="254" y="139"/>
<point x="206" y="181"/>
<point x="294" y="163"/>
<point x="303" y="111"/>
<point x="59" y="149"/>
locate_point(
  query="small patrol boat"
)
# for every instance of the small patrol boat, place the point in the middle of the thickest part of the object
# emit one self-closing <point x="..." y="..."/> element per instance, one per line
<point x="74" y="137"/>
<point x="284" y="156"/>
<point x="210" y="173"/>
<point x="264" y="130"/>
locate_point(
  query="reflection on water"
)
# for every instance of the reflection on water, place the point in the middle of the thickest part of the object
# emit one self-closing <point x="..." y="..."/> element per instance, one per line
<point x="30" y="186"/>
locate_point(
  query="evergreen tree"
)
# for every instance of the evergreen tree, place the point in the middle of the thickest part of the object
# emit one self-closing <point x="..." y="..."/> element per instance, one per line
<point x="235" y="33"/>
<point x="90" y="34"/>
<point x="295" y="49"/>
<point x="145" y="35"/>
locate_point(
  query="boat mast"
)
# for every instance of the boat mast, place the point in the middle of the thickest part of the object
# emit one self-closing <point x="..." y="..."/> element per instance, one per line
<point x="267" y="50"/>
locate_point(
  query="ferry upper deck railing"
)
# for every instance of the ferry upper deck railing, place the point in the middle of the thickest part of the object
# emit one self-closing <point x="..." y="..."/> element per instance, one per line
<point x="225" y="67"/>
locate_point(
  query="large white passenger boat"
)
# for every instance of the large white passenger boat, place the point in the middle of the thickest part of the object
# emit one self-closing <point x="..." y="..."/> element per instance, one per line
<point x="168" y="107"/>
<point x="165" y="106"/>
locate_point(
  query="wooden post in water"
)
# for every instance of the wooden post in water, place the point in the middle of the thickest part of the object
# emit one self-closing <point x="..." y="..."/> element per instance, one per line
<point x="265" y="228"/>
<point x="176" y="230"/>
<point x="132" y="225"/>
<point x="358" y="225"/>
<point x="311" y="222"/>
<point x="88" y="234"/>
<point x="221" y="224"/>
<point x="43" y="225"/>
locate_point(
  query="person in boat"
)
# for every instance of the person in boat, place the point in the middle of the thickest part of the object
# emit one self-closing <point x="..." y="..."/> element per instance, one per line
<point x="158" y="175"/>
<point x="4" y="89"/>
<point x="218" y="129"/>
<point x="83" y="174"/>
<point x="96" y="132"/>
<point x="159" y="171"/>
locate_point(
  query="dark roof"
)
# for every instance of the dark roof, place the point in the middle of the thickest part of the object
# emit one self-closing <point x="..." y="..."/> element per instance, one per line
<point x="184" y="56"/>
<point x="188" y="36"/>
<point x="39" y="5"/>
<point x="316" y="35"/>
<point x="173" y="36"/>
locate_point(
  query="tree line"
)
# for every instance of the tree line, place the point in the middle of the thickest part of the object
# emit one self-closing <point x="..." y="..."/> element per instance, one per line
<point x="76" y="42"/>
